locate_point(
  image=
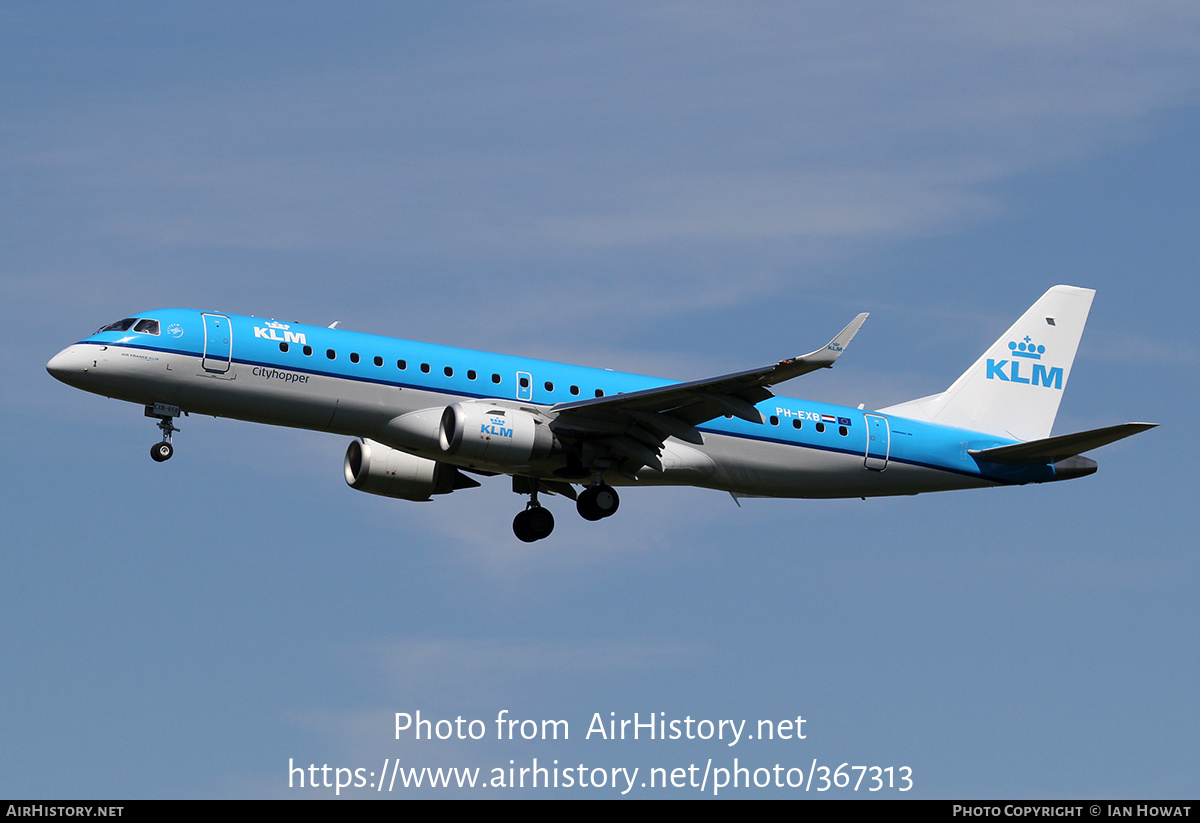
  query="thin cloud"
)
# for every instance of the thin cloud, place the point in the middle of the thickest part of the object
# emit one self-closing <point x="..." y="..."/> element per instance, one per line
<point x="654" y="127"/>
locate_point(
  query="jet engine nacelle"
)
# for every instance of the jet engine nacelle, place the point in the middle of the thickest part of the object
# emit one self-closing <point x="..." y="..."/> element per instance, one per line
<point x="482" y="431"/>
<point x="374" y="468"/>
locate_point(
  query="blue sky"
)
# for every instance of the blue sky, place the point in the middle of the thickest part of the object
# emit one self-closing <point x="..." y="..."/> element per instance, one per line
<point x="674" y="189"/>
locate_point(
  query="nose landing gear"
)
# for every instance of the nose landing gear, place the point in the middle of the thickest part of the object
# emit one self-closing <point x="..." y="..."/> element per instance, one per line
<point x="165" y="414"/>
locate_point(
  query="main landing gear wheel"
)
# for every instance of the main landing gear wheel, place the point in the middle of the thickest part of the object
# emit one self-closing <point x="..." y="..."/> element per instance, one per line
<point x="161" y="451"/>
<point x="533" y="524"/>
<point x="597" y="502"/>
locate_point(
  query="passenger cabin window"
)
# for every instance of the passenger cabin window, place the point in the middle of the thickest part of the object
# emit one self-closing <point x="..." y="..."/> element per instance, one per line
<point x="402" y="364"/>
<point x="308" y="351"/>
<point x="425" y="368"/>
<point x="283" y="347"/>
<point x="146" y="326"/>
<point x="549" y="386"/>
<point x="331" y="354"/>
<point x="353" y="357"/>
<point x="378" y="360"/>
<point x="574" y="390"/>
<point x="599" y="392"/>
<point x="496" y="378"/>
<point x="449" y="371"/>
<point x="471" y="374"/>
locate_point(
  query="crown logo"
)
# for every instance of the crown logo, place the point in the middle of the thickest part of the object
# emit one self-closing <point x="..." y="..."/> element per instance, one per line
<point x="1027" y="349"/>
<point x="276" y="325"/>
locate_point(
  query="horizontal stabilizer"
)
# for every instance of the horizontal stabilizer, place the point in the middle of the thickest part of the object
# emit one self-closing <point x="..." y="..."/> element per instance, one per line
<point x="1055" y="449"/>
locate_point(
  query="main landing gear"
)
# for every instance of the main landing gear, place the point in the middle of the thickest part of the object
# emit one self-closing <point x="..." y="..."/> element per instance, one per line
<point x="166" y="415"/>
<point x="536" y="522"/>
<point x="597" y="502"/>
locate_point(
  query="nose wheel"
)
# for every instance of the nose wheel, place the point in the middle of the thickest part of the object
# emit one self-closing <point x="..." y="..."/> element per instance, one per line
<point x="161" y="451"/>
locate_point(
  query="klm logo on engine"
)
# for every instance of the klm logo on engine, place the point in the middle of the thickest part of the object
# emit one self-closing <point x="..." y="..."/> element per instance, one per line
<point x="272" y="332"/>
<point x="1023" y="353"/>
<point x="495" y="426"/>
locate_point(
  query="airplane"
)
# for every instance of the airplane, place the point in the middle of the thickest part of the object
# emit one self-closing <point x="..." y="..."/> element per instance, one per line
<point x="429" y="419"/>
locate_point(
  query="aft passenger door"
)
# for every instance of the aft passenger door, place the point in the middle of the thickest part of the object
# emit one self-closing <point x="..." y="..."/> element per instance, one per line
<point x="878" y="442"/>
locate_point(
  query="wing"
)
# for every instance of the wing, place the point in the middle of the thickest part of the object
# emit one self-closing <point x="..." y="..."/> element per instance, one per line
<point x="633" y="427"/>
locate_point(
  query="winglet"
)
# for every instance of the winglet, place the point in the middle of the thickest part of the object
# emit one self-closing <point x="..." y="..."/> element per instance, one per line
<point x="838" y="344"/>
<point x="822" y="358"/>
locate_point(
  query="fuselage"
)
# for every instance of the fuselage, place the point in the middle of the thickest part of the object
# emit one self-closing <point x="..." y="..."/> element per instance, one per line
<point x="351" y="383"/>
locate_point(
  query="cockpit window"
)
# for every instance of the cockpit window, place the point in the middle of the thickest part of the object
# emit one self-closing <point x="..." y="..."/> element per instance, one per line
<point x="146" y="326"/>
<point x="120" y="325"/>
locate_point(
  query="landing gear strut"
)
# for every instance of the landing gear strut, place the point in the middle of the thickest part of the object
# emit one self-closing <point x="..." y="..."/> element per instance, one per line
<point x="597" y="502"/>
<point x="165" y="414"/>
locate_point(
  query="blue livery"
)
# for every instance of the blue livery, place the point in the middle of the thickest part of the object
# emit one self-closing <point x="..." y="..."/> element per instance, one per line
<point x="429" y="419"/>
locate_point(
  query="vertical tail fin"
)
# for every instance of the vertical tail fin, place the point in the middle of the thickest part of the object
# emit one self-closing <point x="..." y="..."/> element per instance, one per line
<point x="1014" y="389"/>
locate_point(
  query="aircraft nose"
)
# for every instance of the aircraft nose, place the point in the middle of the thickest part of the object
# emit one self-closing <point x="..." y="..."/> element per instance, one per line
<point x="68" y="365"/>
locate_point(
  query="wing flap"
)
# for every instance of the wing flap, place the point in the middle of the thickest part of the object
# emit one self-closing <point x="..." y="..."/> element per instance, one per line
<point x="667" y="425"/>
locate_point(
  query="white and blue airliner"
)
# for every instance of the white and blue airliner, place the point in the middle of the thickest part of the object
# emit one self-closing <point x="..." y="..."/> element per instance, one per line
<point x="429" y="419"/>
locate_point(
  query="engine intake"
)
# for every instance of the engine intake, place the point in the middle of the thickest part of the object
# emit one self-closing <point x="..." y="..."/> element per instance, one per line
<point x="376" y="469"/>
